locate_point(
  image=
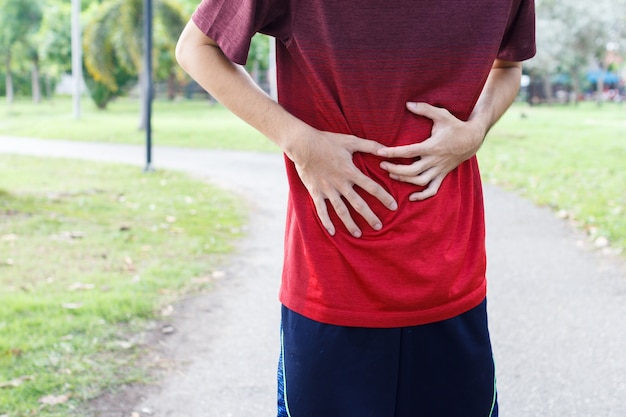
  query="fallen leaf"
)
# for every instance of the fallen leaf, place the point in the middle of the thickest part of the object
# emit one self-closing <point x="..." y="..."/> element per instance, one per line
<point x="167" y="329"/>
<point x="218" y="274"/>
<point x="601" y="242"/>
<point x="9" y="238"/>
<point x="54" y="399"/>
<point x="202" y="280"/>
<point x="16" y="382"/>
<point x="129" y="264"/>
<point x="75" y="234"/>
<point x="125" y="344"/>
<point x="79" y="286"/>
<point x="167" y="311"/>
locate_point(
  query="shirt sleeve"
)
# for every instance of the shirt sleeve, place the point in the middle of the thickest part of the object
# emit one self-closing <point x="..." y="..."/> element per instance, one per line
<point x="232" y="24"/>
<point x="518" y="43"/>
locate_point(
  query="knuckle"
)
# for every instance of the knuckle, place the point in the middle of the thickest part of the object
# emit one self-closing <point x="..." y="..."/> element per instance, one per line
<point x="341" y="210"/>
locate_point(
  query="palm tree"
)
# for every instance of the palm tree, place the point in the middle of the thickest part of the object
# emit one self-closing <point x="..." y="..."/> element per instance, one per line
<point x="113" y="39"/>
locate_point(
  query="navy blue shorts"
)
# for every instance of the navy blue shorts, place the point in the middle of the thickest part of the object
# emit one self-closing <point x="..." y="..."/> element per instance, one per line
<point x="442" y="369"/>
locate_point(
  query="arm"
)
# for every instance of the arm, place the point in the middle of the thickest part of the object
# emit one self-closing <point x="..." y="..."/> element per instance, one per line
<point x="452" y="140"/>
<point x="323" y="159"/>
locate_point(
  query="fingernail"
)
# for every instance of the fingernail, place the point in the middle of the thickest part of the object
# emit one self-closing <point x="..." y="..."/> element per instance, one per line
<point x="378" y="226"/>
<point x="393" y="206"/>
<point x="356" y="233"/>
<point x="411" y="105"/>
<point x="383" y="165"/>
<point x="381" y="152"/>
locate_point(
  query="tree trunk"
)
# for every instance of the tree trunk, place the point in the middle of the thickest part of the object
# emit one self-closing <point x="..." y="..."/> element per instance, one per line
<point x="575" y="84"/>
<point x="9" y="78"/>
<point x="600" y="89"/>
<point x="35" y="82"/>
<point x="171" y="86"/>
<point x="547" y="88"/>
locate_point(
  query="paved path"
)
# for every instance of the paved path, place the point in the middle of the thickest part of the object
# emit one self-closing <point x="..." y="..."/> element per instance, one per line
<point x="557" y="309"/>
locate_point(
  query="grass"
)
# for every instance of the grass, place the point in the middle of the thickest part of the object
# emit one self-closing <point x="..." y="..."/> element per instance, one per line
<point x="571" y="158"/>
<point x="183" y="123"/>
<point x="89" y="255"/>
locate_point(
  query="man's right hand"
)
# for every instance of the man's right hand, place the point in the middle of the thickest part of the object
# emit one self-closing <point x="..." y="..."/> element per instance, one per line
<point x="324" y="162"/>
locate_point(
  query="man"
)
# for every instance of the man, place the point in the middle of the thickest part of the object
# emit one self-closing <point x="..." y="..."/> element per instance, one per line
<point x="381" y="109"/>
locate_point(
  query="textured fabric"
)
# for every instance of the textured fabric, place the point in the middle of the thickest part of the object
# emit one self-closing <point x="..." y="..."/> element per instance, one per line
<point x="349" y="67"/>
<point x="442" y="369"/>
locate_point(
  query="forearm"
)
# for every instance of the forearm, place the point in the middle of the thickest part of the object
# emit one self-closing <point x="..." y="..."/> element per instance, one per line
<point x="498" y="94"/>
<point x="231" y="85"/>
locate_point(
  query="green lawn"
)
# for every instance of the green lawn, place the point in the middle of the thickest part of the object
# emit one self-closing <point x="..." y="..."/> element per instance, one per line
<point x="183" y="123"/>
<point x="90" y="254"/>
<point x="571" y="158"/>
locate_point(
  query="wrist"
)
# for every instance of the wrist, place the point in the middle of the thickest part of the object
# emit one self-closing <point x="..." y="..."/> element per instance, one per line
<point x="479" y="131"/>
<point x="294" y="138"/>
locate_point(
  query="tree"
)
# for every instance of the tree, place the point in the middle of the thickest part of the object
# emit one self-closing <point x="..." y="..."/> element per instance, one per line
<point x="574" y="35"/>
<point x="113" y="40"/>
<point x="19" y="20"/>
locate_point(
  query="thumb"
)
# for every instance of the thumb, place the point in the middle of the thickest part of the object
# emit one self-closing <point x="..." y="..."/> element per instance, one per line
<point x="426" y="110"/>
<point x="358" y="144"/>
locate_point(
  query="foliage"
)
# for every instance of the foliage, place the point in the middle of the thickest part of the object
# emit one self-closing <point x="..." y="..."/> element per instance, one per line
<point x="19" y="21"/>
<point x="574" y="36"/>
<point x="113" y="38"/>
<point x="90" y="254"/>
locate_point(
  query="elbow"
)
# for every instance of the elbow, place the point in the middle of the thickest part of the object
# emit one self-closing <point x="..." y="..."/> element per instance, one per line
<point x="181" y="53"/>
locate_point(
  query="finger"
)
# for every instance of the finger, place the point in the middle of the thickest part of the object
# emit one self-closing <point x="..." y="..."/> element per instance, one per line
<point x="322" y="214"/>
<point x="356" y="144"/>
<point x="427" y="110"/>
<point x="361" y="207"/>
<point x="422" y="180"/>
<point x="344" y="215"/>
<point x="372" y="187"/>
<point x="404" y="169"/>
<point x="405" y="151"/>
<point x="429" y="191"/>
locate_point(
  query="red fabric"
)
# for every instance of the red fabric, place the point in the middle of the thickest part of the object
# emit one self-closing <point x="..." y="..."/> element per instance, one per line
<point x="350" y="67"/>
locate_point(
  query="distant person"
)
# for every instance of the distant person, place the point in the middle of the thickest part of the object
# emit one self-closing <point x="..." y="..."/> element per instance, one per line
<point x="381" y="109"/>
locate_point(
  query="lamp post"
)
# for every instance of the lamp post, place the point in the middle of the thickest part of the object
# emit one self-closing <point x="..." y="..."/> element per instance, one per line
<point x="147" y="69"/>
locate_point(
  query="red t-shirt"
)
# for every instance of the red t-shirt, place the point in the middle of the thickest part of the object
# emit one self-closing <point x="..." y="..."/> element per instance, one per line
<point x="350" y="66"/>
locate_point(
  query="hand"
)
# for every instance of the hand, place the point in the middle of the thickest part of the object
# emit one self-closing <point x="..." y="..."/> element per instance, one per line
<point x="452" y="141"/>
<point x="324" y="162"/>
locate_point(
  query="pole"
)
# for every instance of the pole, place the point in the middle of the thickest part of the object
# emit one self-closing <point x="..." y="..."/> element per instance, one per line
<point x="77" y="57"/>
<point x="147" y="68"/>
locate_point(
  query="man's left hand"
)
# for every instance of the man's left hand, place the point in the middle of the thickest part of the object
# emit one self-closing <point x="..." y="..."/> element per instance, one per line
<point x="452" y="141"/>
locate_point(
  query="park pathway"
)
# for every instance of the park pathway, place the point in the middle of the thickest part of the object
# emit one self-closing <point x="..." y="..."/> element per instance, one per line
<point x="557" y="307"/>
